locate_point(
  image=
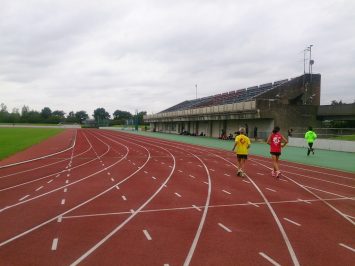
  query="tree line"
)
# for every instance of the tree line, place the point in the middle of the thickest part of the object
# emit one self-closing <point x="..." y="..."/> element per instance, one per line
<point x="47" y="116"/>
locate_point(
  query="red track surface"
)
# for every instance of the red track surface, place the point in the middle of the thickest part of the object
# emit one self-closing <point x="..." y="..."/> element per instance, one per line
<point x="112" y="198"/>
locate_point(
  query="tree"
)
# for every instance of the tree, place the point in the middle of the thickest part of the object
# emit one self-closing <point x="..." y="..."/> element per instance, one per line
<point x="100" y="114"/>
<point x="81" y="116"/>
<point x="121" y="117"/>
<point x="335" y="102"/>
<point x="46" y="112"/>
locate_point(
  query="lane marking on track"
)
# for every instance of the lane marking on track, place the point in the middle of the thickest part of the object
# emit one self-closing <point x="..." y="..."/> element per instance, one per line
<point x="259" y="173"/>
<point x="205" y="183"/>
<point x="166" y="264"/>
<point x="147" y="235"/>
<point x="108" y="173"/>
<point x="39" y="188"/>
<point x="189" y="162"/>
<point x="66" y="181"/>
<point x="226" y="192"/>
<point x="124" y="198"/>
<point x="55" y="244"/>
<point x="134" y="163"/>
<point x="117" y="187"/>
<point x="131" y="210"/>
<point x="180" y="171"/>
<point x="177" y="194"/>
<point x="50" y="181"/>
<point x="192" y="176"/>
<point x="162" y="163"/>
<point x="60" y="218"/>
<point x="197" y="208"/>
<point x="63" y="202"/>
<point x="269" y="259"/>
<point x="256" y="205"/>
<point x="145" y="172"/>
<point x="345" y="246"/>
<point x="212" y="170"/>
<point x="57" y="175"/>
<point x="170" y="166"/>
<point x="68" y="175"/>
<point x="225" y="227"/>
<point x="65" y="190"/>
<point x="305" y="201"/>
<point x="293" y="222"/>
<point x="199" y="165"/>
<point x="246" y="181"/>
<point x="113" y="180"/>
<point x="227" y="175"/>
<point x="24" y="198"/>
<point x="154" y="177"/>
<point x="271" y="189"/>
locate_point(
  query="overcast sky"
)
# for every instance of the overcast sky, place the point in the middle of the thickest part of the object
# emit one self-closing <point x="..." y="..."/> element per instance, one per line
<point x="148" y="55"/>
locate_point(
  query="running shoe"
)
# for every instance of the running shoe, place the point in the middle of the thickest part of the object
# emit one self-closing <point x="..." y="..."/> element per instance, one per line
<point x="238" y="172"/>
<point x="278" y="174"/>
<point x="273" y="173"/>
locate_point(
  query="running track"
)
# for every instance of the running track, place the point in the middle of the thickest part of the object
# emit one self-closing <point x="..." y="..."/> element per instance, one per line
<point x="93" y="197"/>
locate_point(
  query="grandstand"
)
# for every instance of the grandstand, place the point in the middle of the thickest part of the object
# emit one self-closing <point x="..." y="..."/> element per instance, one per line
<point x="287" y="103"/>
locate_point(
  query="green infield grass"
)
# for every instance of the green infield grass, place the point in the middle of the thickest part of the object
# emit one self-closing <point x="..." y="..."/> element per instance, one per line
<point x="13" y="140"/>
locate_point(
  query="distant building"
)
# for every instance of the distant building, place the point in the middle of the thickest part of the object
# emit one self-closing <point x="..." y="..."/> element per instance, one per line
<point x="286" y="103"/>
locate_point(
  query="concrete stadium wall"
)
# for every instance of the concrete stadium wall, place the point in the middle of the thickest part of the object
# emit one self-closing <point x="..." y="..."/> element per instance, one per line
<point x="325" y="144"/>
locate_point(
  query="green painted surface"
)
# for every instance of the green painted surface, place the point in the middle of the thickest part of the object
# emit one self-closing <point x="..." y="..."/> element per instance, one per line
<point x="344" y="161"/>
<point x="13" y="140"/>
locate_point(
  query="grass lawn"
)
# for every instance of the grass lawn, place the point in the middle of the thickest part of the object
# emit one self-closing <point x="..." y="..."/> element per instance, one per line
<point x="348" y="137"/>
<point x="13" y="140"/>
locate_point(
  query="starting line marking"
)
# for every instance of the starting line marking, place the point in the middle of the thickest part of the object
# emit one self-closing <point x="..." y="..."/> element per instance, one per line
<point x="177" y="194"/>
<point x="225" y="191"/>
<point x="145" y="172"/>
<point x="345" y="246"/>
<point x="180" y="171"/>
<point x="49" y="181"/>
<point x="212" y="170"/>
<point x="259" y="173"/>
<point x="246" y="181"/>
<point x="305" y="201"/>
<point x="154" y="177"/>
<point x="113" y="180"/>
<point x="205" y="183"/>
<point x="256" y="205"/>
<point x="124" y="198"/>
<point x="271" y="189"/>
<point x="227" y="175"/>
<point x="39" y="188"/>
<point x="192" y="176"/>
<point x="225" y="227"/>
<point x="147" y="235"/>
<point x="269" y="259"/>
<point x="24" y="197"/>
<point x="65" y="190"/>
<point x="63" y="202"/>
<point x="59" y="219"/>
<point x="117" y="187"/>
<point x="197" y="208"/>
<point x="293" y="222"/>
<point x="55" y="244"/>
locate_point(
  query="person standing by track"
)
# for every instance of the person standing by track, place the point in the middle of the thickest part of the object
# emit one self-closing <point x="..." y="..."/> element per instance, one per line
<point x="310" y="137"/>
<point x="276" y="142"/>
<point x="241" y="148"/>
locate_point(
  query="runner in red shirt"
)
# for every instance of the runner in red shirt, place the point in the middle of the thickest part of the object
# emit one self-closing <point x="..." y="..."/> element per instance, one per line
<point x="276" y="142"/>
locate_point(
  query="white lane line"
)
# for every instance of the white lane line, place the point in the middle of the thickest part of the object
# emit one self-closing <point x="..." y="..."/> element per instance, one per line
<point x="192" y="176"/>
<point x="269" y="259"/>
<point x="345" y="246"/>
<point x="271" y="189"/>
<point x="39" y="188"/>
<point x="212" y="170"/>
<point x="226" y="192"/>
<point x="197" y="208"/>
<point x="50" y="181"/>
<point x="117" y="187"/>
<point x="259" y="173"/>
<point x="65" y="190"/>
<point x="147" y="235"/>
<point x="293" y="222"/>
<point x="124" y="198"/>
<point x="305" y="201"/>
<point x="177" y="194"/>
<point x="60" y="218"/>
<point x="166" y="264"/>
<point x="55" y="244"/>
<point x="205" y="183"/>
<point x="256" y="205"/>
<point x="225" y="227"/>
<point x="57" y="175"/>
<point x="154" y="177"/>
<point x="227" y="175"/>
<point x="24" y="197"/>
<point x="113" y="180"/>
<point x="63" y="202"/>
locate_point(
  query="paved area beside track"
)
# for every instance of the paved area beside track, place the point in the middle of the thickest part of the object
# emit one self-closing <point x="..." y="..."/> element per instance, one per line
<point x="344" y="161"/>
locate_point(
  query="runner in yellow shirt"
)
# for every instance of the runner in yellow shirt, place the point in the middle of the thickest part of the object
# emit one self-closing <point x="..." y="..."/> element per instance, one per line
<point x="241" y="148"/>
